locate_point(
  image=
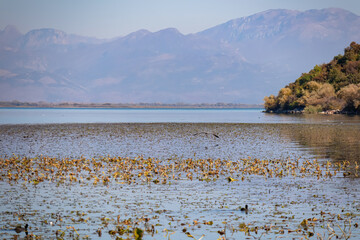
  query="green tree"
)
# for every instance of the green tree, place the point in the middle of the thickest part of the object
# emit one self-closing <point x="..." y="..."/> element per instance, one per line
<point x="328" y="86"/>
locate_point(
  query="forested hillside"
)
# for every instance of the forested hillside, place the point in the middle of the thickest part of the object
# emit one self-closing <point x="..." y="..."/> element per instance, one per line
<point x="331" y="87"/>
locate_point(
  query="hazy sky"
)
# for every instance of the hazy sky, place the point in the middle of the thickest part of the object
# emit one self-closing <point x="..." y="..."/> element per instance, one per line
<point x="113" y="18"/>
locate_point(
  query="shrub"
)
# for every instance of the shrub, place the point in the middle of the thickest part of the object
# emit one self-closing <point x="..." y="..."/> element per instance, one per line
<point x="351" y="96"/>
<point x="313" y="109"/>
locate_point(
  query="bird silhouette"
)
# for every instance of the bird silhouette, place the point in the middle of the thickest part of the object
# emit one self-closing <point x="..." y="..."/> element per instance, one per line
<point x="245" y="209"/>
<point x="207" y="134"/>
<point x="20" y="229"/>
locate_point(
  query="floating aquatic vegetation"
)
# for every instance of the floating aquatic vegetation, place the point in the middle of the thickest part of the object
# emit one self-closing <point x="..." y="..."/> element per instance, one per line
<point x="150" y="170"/>
<point x="173" y="194"/>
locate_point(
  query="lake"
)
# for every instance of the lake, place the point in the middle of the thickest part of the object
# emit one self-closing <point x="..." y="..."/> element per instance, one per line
<point x="178" y="174"/>
<point x="40" y="116"/>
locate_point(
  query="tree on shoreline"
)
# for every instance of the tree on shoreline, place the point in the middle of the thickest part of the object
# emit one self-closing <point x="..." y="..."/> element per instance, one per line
<point x="331" y="86"/>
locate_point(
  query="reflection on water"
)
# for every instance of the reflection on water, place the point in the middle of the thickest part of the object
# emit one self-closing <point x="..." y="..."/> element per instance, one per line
<point x="336" y="142"/>
<point x="313" y="119"/>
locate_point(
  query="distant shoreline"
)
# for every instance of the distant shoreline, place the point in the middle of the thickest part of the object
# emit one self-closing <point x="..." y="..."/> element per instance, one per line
<point x="16" y="104"/>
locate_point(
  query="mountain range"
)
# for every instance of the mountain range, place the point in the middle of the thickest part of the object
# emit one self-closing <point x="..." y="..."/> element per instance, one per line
<point x="239" y="61"/>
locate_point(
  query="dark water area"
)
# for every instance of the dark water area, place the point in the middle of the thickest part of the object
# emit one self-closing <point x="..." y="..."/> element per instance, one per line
<point x="180" y="208"/>
<point x="148" y="139"/>
<point x="336" y="142"/>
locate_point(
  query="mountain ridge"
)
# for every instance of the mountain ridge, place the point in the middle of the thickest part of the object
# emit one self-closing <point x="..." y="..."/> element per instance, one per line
<point x="219" y="64"/>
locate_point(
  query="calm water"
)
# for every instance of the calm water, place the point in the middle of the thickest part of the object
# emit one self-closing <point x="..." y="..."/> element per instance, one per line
<point x="35" y="116"/>
<point x="174" y="208"/>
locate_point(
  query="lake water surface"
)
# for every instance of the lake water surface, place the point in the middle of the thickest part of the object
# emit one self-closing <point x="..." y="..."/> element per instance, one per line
<point x="40" y="116"/>
<point x="179" y="208"/>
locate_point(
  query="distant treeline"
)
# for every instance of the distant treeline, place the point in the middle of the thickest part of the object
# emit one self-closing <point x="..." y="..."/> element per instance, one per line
<point x="18" y="104"/>
<point x="333" y="88"/>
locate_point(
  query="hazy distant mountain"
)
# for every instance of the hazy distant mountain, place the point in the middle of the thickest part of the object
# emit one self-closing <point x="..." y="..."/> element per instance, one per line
<point x="288" y="24"/>
<point x="49" y="37"/>
<point x="242" y="60"/>
<point x="9" y="36"/>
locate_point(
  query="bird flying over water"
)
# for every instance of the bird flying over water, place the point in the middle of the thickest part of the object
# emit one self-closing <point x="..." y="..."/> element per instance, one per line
<point x="206" y="133"/>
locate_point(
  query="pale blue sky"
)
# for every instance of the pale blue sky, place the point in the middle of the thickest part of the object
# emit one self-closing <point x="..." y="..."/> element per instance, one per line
<point x="113" y="18"/>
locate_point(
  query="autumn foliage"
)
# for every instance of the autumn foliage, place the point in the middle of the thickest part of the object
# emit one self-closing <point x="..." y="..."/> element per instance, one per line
<point x="331" y="86"/>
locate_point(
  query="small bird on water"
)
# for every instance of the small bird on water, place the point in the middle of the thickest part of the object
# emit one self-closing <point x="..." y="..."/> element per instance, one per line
<point x="245" y="209"/>
<point x="20" y="229"/>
